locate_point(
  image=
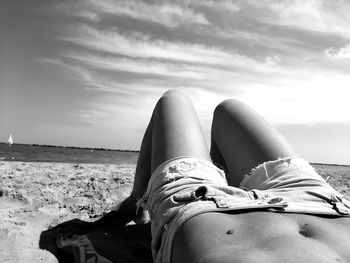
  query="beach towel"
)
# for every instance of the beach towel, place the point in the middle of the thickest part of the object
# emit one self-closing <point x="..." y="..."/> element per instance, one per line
<point x="107" y="245"/>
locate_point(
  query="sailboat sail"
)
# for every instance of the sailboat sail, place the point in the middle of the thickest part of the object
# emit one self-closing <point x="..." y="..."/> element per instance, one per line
<point x="10" y="140"/>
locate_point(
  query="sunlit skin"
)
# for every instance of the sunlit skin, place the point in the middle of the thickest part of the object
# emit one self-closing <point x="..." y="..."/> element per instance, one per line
<point x="241" y="140"/>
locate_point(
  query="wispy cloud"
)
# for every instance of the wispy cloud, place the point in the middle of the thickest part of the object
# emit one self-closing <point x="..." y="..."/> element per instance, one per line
<point x="137" y="44"/>
<point x="91" y="80"/>
<point x="341" y="53"/>
<point x="222" y="5"/>
<point x="164" y="13"/>
<point x="313" y="15"/>
<point x="139" y="66"/>
<point x="263" y="53"/>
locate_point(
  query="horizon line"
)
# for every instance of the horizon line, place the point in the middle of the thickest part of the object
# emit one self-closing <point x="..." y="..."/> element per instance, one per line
<point x="127" y="150"/>
<point x="72" y="147"/>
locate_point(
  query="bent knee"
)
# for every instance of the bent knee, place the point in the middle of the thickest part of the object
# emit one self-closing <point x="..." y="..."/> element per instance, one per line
<point x="229" y="105"/>
<point x="174" y="95"/>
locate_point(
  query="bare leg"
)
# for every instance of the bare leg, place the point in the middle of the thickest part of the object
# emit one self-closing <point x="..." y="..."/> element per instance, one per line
<point x="242" y="139"/>
<point x="174" y="130"/>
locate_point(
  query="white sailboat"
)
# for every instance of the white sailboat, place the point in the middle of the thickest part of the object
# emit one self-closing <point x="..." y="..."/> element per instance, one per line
<point x="10" y="140"/>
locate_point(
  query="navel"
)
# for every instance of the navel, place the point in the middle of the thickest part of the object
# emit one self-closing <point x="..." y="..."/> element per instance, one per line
<point x="304" y="231"/>
<point x="230" y="232"/>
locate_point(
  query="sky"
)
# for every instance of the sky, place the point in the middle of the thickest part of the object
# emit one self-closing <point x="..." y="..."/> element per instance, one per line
<point x="88" y="73"/>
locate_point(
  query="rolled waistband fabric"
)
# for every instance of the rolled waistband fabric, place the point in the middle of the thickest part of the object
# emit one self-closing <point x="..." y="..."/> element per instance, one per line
<point x="171" y="187"/>
<point x="185" y="186"/>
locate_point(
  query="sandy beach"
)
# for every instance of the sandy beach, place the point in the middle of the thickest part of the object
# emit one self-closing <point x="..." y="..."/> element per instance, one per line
<point x="36" y="196"/>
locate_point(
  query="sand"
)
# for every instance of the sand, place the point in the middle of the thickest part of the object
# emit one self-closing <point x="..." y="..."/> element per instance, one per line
<point x="36" y="196"/>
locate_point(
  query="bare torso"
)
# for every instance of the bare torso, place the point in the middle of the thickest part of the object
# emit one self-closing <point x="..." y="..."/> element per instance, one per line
<point x="262" y="237"/>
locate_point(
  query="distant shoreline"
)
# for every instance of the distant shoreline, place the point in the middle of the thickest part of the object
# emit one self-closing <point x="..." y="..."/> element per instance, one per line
<point x="72" y="147"/>
<point x="5" y="150"/>
<point x="65" y="154"/>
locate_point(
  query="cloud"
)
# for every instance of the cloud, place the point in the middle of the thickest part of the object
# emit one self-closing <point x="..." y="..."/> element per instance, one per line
<point x="283" y="94"/>
<point x="88" y="79"/>
<point x="139" y="66"/>
<point x="303" y="97"/>
<point x="73" y="71"/>
<point x="142" y="45"/>
<point x="280" y="75"/>
<point x="329" y="17"/>
<point x="163" y="13"/>
<point x="92" y="80"/>
<point x="222" y="5"/>
<point x="157" y="56"/>
<point x="341" y="53"/>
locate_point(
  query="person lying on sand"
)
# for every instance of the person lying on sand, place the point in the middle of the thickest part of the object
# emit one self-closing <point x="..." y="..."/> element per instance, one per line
<point x="250" y="199"/>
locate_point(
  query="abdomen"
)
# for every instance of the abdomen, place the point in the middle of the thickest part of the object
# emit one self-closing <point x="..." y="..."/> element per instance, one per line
<point x="262" y="237"/>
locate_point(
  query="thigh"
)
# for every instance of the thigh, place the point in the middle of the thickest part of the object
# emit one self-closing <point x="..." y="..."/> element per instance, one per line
<point x="242" y="139"/>
<point x="176" y="130"/>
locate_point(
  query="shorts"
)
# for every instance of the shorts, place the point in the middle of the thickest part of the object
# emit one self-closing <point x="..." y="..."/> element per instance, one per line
<point x="184" y="187"/>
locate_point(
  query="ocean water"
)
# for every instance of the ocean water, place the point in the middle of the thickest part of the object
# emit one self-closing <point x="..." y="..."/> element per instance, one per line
<point x="41" y="153"/>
